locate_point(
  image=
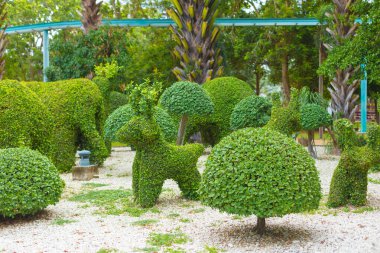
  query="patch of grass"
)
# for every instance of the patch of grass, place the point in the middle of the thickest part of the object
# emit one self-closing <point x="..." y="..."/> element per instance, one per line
<point x="118" y="145"/>
<point x="185" y="220"/>
<point x="198" y="210"/>
<point x="374" y="181"/>
<point x="174" y="250"/>
<point x="173" y="215"/>
<point x="126" y="174"/>
<point x="210" y="249"/>
<point x="107" y="251"/>
<point x="109" y="175"/>
<point x="147" y="249"/>
<point x="61" y="221"/>
<point x="167" y="239"/>
<point x="144" y="223"/>
<point x="187" y="205"/>
<point x="94" y="185"/>
<point x="364" y="209"/>
<point x="111" y="202"/>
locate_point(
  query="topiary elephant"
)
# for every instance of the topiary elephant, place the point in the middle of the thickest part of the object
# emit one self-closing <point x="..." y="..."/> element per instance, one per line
<point x="156" y="160"/>
<point x="349" y="182"/>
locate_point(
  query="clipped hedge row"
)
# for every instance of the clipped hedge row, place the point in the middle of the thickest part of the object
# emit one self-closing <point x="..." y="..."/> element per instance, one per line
<point x="78" y="119"/>
<point x="24" y="120"/>
<point x="29" y="182"/>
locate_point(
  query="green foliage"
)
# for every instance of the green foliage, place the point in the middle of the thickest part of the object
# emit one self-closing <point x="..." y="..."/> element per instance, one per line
<point x="104" y="86"/>
<point x="29" y="182"/>
<point x="314" y="116"/>
<point x="24" y="120"/>
<point x="252" y="111"/>
<point x="350" y="178"/>
<point x="167" y="239"/>
<point x="186" y="98"/>
<point x="124" y="114"/>
<point x="285" y="119"/>
<point x="156" y="161"/>
<point x="78" y="119"/>
<point x="117" y="100"/>
<point x="61" y="221"/>
<point x="225" y="93"/>
<point x="111" y="202"/>
<point x="260" y="171"/>
<point x="144" y="223"/>
<point x="108" y="70"/>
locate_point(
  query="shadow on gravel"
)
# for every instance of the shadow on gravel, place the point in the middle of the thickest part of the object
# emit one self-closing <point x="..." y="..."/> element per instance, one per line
<point x="43" y="215"/>
<point x="244" y="235"/>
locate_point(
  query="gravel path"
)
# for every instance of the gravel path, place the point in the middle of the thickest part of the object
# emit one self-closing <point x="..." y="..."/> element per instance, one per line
<point x="327" y="230"/>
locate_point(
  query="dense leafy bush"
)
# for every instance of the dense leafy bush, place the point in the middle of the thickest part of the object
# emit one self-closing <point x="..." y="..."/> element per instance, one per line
<point x="24" y="119"/>
<point x="124" y="114"/>
<point x="260" y="171"/>
<point x="349" y="181"/>
<point x="225" y="93"/>
<point x="285" y="119"/>
<point x="314" y="116"/>
<point x="104" y="86"/>
<point x="78" y="119"/>
<point x="252" y="111"/>
<point x="117" y="100"/>
<point x="186" y="99"/>
<point x="29" y="182"/>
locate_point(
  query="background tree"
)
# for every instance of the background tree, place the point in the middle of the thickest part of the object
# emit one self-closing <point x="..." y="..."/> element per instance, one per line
<point x="3" y="39"/>
<point x="196" y="38"/>
<point x="91" y="17"/>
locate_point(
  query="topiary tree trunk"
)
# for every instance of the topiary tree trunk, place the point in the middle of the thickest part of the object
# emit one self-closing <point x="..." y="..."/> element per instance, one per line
<point x="260" y="225"/>
<point x="91" y="17"/>
<point x="310" y="146"/>
<point x="3" y="38"/>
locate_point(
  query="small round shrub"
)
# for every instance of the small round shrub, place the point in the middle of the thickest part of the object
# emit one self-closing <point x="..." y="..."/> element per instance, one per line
<point x="124" y="114"/>
<point x="225" y="93"/>
<point x="29" y="182"/>
<point x="262" y="172"/>
<point x="117" y="100"/>
<point x="186" y="98"/>
<point x="24" y="120"/>
<point x="252" y="111"/>
<point x="314" y="116"/>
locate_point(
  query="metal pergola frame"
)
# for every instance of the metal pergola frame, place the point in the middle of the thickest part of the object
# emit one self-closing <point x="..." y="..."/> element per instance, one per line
<point x="46" y="27"/>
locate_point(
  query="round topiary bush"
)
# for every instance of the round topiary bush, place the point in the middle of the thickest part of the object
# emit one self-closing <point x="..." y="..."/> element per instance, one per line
<point x="29" y="182"/>
<point x="225" y="93"/>
<point x="314" y="116"/>
<point x="24" y="120"/>
<point x="262" y="172"/>
<point x="117" y="100"/>
<point x="124" y="114"/>
<point x="252" y="111"/>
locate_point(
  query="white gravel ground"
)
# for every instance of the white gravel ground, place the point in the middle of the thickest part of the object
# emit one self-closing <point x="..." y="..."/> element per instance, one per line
<point x="327" y="230"/>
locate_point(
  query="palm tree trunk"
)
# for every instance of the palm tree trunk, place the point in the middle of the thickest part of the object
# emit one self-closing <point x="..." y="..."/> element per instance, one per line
<point x="285" y="78"/>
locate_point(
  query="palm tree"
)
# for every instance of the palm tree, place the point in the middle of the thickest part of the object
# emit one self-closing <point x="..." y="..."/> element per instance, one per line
<point x="196" y="38"/>
<point x="342" y="89"/>
<point x="3" y="38"/>
<point x="91" y="17"/>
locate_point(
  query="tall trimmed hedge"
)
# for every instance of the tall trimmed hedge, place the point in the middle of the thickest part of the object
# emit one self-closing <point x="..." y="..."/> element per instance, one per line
<point x="252" y="111"/>
<point x="24" y="120"/>
<point x="225" y="93"/>
<point x="29" y="182"/>
<point x="78" y="119"/>
<point x="262" y="172"/>
<point x="104" y="86"/>
<point x="124" y="114"/>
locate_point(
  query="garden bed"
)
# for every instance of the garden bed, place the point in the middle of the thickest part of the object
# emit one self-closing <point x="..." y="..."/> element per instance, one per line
<point x="100" y="216"/>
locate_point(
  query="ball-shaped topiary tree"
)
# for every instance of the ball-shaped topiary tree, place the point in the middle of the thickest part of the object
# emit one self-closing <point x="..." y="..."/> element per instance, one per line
<point x="225" y="93"/>
<point x="252" y="111"/>
<point x="186" y="99"/>
<point x="124" y="114"/>
<point x="262" y="172"/>
<point x="29" y="182"/>
<point x="24" y="120"/>
<point x="313" y="116"/>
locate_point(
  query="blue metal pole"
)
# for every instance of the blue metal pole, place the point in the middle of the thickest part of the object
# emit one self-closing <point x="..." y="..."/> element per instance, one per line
<point x="363" y="100"/>
<point x="46" y="52"/>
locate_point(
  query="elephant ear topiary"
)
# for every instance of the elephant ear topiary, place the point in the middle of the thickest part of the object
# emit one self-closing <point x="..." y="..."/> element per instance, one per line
<point x="252" y="111"/>
<point x="24" y="120"/>
<point x="262" y="172"/>
<point x="124" y="114"/>
<point x="29" y="182"/>
<point x="186" y="99"/>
